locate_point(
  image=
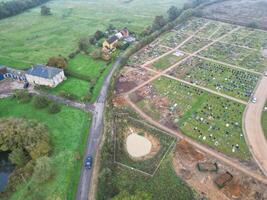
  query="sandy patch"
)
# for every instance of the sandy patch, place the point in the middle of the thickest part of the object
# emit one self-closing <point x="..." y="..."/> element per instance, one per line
<point x="264" y="53"/>
<point x="138" y="146"/>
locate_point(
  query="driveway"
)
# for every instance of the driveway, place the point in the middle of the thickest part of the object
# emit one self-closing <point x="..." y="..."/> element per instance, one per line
<point x="252" y="126"/>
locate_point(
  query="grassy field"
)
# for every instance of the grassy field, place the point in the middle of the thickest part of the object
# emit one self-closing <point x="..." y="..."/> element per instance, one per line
<point x="73" y="86"/>
<point x="264" y="121"/>
<point x="31" y="38"/>
<point x="218" y="77"/>
<point x="68" y="132"/>
<point x="210" y="119"/>
<point x="194" y="44"/>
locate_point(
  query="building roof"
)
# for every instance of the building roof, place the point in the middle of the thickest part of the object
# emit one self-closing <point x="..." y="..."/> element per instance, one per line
<point x="112" y="39"/>
<point x="44" y="71"/>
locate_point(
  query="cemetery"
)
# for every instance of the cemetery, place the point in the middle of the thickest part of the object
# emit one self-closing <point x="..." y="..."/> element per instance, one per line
<point x="194" y="44"/>
<point x="208" y="30"/>
<point x="239" y="56"/>
<point x="222" y="30"/>
<point x="148" y="53"/>
<point x="168" y="60"/>
<point x="251" y="38"/>
<point x="172" y="39"/>
<point x="191" y="26"/>
<point x="208" y="118"/>
<point x="230" y="81"/>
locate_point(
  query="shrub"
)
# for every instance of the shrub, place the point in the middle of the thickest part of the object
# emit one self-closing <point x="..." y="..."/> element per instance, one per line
<point x="40" y="102"/>
<point x="23" y="96"/>
<point x="43" y="170"/>
<point x="54" y="108"/>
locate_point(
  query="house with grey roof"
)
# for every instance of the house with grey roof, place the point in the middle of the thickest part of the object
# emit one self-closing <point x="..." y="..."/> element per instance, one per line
<point x="45" y="75"/>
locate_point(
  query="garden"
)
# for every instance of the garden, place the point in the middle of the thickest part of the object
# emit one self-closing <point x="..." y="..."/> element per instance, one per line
<point x="148" y="165"/>
<point x="242" y="57"/>
<point x="68" y="131"/>
<point x="230" y="81"/>
<point x="208" y="118"/>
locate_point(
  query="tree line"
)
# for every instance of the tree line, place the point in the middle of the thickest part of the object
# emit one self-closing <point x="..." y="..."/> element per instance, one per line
<point x="11" y="8"/>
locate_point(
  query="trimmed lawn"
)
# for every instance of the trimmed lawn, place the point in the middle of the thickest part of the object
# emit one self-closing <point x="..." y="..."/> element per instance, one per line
<point x="68" y="132"/>
<point x="73" y="86"/>
<point x="264" y="121"/>
<point x="86" y="65"/>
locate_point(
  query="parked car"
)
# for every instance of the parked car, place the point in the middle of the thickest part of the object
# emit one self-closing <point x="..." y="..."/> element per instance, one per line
<point x="254" y="100"/>
<point x="88" y="162"/>
<point x="26" y="85"/>
<point x="265" y="73"/>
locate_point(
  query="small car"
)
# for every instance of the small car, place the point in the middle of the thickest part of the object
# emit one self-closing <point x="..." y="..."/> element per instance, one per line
<point x="88" y="162"/>
<point x="265" y="73"/>
<point x="254" y="100"/>
<point x="26" y="85"/>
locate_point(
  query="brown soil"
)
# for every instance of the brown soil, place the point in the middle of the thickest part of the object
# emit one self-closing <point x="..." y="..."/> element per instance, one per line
<point x="119" y="101"/>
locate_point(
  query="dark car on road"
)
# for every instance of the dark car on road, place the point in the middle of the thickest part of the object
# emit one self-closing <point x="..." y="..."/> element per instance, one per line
<point x="88" y="162"/>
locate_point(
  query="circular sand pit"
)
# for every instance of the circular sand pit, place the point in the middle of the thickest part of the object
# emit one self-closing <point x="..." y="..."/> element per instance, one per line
<point x="138" y="146"/>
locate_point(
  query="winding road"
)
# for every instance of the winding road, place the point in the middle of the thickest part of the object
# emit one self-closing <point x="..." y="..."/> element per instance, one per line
<point x="252" y="126"/>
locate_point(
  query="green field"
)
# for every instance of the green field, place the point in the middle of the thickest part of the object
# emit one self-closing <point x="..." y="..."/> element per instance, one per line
<point x="31" y="38"/>
<point x="264" y="121"/>
<point x="218" y="77"/>
<point x="78" y="89"/>
<point x="68" y="132"/>
<point x="208" y="118"/>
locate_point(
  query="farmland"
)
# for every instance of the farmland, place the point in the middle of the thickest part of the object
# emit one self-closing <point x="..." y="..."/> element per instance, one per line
<point x="68" y="131"/>
<point x="31" y="38"/>
<point x="230" y="81"/>
<point x="210" y="119"/>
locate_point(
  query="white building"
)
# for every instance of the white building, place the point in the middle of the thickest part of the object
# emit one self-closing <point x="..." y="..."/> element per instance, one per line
<point x="44" y="75"/>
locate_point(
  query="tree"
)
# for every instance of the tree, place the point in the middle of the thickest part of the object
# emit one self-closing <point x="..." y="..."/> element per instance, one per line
<point x="57" y="61"/>
<point x="45" y="11"/>
<point x="98" y="35"/>
<point x="18" y="157"/>
<point x="43" y="170"/>
<point x="40" y="102"/>
<point x="124" y="195"/>
<point x="97" y="54"/>
<point x="23" y="96"/>
<point x="83" y="45"/>
<point x="173" y="13"/>
<point x="158" y="23"/>
<point x="253" y="25"/>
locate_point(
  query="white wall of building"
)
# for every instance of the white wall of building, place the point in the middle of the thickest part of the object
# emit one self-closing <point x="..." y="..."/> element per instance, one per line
<point x="36" y="80"/>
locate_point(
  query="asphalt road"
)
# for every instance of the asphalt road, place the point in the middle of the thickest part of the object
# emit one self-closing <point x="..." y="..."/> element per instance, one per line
<point x="95" y="135"/>
<point x="253" y="128"/>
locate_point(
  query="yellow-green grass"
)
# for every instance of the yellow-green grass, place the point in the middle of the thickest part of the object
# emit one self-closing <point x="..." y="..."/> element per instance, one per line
<point x="68" y="132"/>
<point x="210" y="119"/>
<point x="167" y="61"/>
<point x="32" y="38"/>
<point x="264" y="121"/>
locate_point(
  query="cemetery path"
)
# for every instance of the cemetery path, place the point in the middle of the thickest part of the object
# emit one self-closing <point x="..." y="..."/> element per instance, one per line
<point x="252" y="126"/>
<point x="218" y="155"/>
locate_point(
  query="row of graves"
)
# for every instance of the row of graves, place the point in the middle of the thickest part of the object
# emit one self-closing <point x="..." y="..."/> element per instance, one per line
<point x="231" y="81"/>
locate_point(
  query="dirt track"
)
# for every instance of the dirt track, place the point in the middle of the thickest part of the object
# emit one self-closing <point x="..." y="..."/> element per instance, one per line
<point x="252" y="126"/>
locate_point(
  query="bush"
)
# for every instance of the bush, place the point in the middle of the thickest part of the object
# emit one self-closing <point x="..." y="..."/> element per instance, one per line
<point x="43" y="170"/>
<point x="40" y="102"/>
<point x="54" y="108"/>
<point x="23" y="96"/>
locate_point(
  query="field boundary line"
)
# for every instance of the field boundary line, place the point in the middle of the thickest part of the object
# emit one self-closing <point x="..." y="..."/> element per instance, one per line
<point x="132" y="168"/>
